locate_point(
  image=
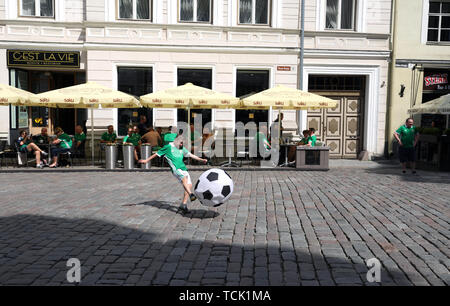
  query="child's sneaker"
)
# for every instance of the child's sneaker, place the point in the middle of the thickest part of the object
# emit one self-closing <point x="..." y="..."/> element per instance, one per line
<point x="183" y="208"/>
<point x="192" y="197"/>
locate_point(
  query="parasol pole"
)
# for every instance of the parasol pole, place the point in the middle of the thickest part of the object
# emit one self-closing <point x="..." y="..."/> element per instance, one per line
<point x="92" y="135"/>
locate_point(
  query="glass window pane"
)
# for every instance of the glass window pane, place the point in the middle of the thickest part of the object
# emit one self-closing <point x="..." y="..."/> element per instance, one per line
<point x="28" y="8"/>
<point x="125" y="8"/>
<point x="435" y="7"/>
<point x="47" y="8"/>
<point x="446" y="7"/>
<point x="136" y="81"/>
<point x="245" y="11"/>
<point x="445" y="35"/>
<point x="203" y="10"/>
<point x="347" y="14"/>
<point x="143" y="9"/>
<point x="332" y="14"/>
<point x="262" y="12"/>
<point x="445" y="22"/>
<point x="433" y="22"/>
<point x="432" y="35"/>
<point x="187" y="10"/>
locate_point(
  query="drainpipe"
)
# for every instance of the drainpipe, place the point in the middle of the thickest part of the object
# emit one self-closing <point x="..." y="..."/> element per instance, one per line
<point x="391" y="77"/>
<point x="302" y="54"/>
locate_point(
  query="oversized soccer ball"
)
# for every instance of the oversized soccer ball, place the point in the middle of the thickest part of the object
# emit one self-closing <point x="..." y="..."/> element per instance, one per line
<point x="214" y="187"/>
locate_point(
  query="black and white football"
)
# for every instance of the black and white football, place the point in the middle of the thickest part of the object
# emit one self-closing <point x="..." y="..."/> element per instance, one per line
<point x="214" y="187"/>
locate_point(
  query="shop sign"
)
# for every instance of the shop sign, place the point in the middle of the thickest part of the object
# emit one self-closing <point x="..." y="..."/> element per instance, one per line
<point x="53" y="59"/>
<point x="434" y="80"/>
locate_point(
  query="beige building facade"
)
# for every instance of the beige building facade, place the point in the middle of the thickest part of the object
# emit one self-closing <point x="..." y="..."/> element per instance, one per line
<point x="420" y="61"/>
<point x="237" y="47"/>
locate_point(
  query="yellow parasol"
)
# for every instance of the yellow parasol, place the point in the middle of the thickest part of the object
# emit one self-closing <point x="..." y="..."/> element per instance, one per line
<point x="282" y="97"/>
<point x="189" y="96"/>
<point x="15" y="96"/>
<point x="440" y="105"/>
<point x="88" y="95"/>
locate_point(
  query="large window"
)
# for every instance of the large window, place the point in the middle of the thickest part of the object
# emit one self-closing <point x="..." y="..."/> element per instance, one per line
<point x="37" y="8"/>
<point x="195" y="11"/>
<point x="136" y="81"/>
<point x="439" y="21"/>
<point x="199" y="77"/>
<point x="340" y="14"/>
<point x="254" y="12"/>
<point x="249" y="82"/>
<point x="135" y="9"/>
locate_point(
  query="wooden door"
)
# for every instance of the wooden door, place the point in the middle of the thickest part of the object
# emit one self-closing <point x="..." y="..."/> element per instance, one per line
<point x="340" y="128"/>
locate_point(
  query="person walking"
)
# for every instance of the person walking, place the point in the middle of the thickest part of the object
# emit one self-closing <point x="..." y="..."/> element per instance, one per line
<point x="407" y="137"/>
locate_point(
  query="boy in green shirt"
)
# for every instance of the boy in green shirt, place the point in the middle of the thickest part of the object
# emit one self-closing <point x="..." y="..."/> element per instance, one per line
<point x="312" y="139"/>
<point x="174" y="153"/>
<point x="407" y="137"/>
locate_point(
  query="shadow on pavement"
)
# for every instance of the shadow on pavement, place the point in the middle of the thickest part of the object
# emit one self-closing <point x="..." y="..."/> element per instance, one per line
<point x="193" y="213"/>
<point x="34" y="251"/>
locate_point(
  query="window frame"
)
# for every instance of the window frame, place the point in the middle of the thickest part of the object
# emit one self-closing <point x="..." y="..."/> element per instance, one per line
<point x="134" y="18"/>
<point x="37" y="8"/>
<point x="339" y="17"/>
<point x="194" y="13"/>
<point x="439" y="28"/>
<point x="253" y="23"/>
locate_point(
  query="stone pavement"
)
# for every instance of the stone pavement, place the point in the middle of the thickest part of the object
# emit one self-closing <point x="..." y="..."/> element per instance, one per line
<point x="279" y="228"/>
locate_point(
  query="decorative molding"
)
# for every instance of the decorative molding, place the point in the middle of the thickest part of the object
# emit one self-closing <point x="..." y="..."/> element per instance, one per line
<point x="371" y="123"/>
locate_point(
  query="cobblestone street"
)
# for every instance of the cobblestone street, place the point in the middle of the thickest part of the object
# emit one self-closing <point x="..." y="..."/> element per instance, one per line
<point x="278" y="228"/>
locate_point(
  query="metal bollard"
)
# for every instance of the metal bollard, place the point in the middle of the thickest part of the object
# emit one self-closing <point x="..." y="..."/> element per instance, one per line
<point x="128" y="156"/>
<point x="111" y="156"/>
<point x="146" y="151"/>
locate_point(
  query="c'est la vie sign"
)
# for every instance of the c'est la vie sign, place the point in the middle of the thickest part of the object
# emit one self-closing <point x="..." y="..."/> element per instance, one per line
<point x="54" y="59"/>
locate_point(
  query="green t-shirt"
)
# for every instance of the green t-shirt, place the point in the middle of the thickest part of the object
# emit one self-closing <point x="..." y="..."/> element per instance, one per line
<point x="407" y="135"/>
<point x="40" y="139"/>
<point x="134" y="139"/>
<point x="169" y="137"/>
<point x="79" y="137"/>
<point x="66" y="141"/>
<point x="263" y="138"/>
<point x="109" y="137"/>
<point x="174" y="156"/>
<point x="313" y="140"/>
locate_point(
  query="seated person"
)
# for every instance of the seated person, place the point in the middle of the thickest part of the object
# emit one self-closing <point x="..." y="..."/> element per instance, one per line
<point x="109" y="136"/>
<point x="64" y="143"/>
<point x="134" y="139"/>
<point x="42" y="138"/>
<point x="78" y="138"/>
<point x="312" y="139"/>
<point x="25" y="145"/>
<point x="153" y="138"/>
<point x="261" y="136"/>
<point x="170" y="136"/>
<point x="302" y="142"/>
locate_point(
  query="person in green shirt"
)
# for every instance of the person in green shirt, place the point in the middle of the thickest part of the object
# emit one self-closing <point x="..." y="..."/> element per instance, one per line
<point x="79" y="137"/>
<point x="174" y="153"/>
<point x="133" y="138"/>
<point x="109" y="136"/>
<point x="262" y="138"/>
<point x="312" y="139"/>
<point x="170" y="136"/>
<point x="25" y="144"/>
<point x="407" y="137"/>
<point x="64" y="143"/>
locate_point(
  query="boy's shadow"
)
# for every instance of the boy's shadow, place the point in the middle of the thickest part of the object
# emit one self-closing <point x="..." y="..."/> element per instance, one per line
<point x="193" y="213"/>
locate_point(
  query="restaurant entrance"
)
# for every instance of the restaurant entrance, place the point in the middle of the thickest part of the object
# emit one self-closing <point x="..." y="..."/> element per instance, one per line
<point x="38" y="81"/>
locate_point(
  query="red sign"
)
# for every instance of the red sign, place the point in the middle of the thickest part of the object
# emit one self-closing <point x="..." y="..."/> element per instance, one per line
<point x="284" y="68"/>
<point x="436" y="80"/>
